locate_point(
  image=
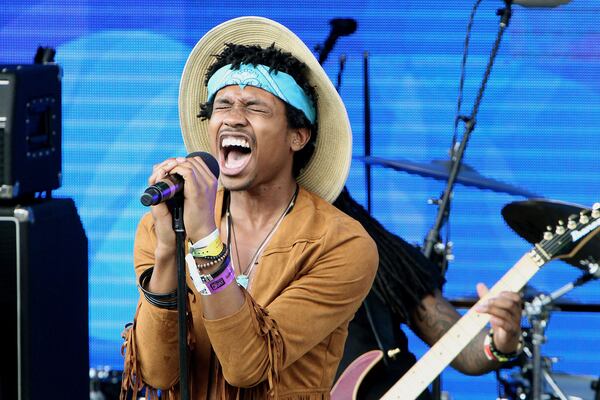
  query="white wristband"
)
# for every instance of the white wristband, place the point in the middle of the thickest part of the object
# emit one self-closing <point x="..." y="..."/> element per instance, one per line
<point x="205" y="241"/>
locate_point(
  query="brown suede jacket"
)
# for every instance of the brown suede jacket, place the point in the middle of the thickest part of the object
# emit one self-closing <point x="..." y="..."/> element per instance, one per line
<point x="287" y="339"/>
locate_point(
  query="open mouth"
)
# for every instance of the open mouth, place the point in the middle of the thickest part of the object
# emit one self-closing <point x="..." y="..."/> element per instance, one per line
<point x="236" y="154"/>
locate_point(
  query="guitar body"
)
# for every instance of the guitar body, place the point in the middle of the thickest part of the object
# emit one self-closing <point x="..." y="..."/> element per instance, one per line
<point x="347" y="385"/>
<point x="362" y="339"/>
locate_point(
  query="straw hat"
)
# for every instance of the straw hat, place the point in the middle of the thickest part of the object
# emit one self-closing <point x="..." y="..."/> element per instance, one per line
<point x="327" y="170"/>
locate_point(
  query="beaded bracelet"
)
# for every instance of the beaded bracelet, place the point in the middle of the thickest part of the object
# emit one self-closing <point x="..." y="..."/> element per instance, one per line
<point x="214" y="261"/>
<point x="493" y="354"/>
<point x="167" y="300"/>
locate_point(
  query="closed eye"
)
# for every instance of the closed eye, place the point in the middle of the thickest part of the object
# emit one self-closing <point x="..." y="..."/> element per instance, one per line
<point x="222" y="107"/>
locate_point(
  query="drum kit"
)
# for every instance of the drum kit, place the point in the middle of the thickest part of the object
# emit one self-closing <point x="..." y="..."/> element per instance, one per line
<point x="531" y="220"/>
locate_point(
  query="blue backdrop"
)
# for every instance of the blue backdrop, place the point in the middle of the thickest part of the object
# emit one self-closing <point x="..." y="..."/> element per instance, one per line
<point x="537" y="128"/>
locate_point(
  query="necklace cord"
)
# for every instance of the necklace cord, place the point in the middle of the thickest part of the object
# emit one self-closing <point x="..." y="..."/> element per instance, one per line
<point x="231" y="232"/>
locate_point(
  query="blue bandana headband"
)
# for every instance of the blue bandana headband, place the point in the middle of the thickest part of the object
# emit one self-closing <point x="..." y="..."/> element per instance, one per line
<point x="277" y="83"/>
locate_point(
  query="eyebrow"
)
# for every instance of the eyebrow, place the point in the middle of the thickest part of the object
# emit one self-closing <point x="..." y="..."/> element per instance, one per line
<point x="246" y="101"/>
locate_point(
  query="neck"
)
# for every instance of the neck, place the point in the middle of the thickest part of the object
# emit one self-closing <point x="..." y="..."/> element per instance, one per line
<point x="259" y="206"/>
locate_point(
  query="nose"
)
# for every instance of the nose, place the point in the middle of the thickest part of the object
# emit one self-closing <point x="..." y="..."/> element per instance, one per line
<point x="235" y="117"/>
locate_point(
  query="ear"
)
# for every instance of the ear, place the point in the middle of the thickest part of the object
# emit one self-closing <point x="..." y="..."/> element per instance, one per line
<point x="299" y="137"/>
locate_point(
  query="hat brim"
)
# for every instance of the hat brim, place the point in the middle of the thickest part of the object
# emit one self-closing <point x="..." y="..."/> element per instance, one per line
<point x="326" y="172"/>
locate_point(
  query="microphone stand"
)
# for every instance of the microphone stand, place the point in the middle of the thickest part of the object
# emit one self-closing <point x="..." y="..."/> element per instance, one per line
<point x="176" y="205"/>
<point x="433" y="237"/>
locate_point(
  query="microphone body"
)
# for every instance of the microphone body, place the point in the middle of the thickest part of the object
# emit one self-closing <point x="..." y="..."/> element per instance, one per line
<point x="169" y="186"/>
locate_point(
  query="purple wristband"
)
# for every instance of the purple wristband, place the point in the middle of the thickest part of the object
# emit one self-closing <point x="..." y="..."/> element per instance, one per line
<point x="215" y="284"/>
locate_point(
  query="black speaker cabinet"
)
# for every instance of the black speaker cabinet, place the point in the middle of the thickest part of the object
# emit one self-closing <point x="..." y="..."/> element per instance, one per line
<point x="30" y="129"/>
<point x="44" y="302"/>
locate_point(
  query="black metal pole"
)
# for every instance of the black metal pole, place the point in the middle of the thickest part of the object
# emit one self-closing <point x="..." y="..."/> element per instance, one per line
<point x="456" y="159"/>
<point x="367" y="126"/>
<point x="458" y="154"/>
<point x="178" y="227"/>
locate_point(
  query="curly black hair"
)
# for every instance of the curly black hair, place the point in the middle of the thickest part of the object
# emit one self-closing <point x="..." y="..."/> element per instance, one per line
<point x="277" y="60"/>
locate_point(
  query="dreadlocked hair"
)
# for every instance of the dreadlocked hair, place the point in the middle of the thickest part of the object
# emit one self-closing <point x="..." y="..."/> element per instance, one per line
<point x="276" y="60"/>
<point x="404" y="275"/>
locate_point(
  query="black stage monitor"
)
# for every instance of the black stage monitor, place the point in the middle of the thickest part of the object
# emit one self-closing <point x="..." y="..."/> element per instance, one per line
<point x="30" y="129"/>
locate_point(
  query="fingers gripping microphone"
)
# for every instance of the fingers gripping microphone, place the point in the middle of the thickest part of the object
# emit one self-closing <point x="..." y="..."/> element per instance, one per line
<point x="166" y="188"/>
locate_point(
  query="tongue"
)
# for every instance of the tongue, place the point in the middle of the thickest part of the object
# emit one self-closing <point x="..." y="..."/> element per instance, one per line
<point x="236" y="159"/>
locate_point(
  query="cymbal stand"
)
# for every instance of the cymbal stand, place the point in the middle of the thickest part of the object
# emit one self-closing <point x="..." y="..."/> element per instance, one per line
<point x="457" y="152"/>
<point x="433" y="240"/>
<point x="538" y="313"/>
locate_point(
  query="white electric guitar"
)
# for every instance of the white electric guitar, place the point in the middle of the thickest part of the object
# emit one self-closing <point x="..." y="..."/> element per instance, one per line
<point x="565" y="243"/>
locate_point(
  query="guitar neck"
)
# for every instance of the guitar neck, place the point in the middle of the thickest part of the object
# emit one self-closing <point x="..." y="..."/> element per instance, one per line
<point x="416" y="380"/>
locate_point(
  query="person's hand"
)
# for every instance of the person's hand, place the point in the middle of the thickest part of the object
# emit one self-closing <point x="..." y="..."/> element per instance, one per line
<point x="505" y="312"/>
<point x="163" y="222"/>
<point x="199" y="194"/>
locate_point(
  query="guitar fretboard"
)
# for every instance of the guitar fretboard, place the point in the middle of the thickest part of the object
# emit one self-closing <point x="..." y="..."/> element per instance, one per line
<point x="416" y="380"/>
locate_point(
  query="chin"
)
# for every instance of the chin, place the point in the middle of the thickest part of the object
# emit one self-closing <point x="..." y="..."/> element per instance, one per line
<point x="236" y="185"/>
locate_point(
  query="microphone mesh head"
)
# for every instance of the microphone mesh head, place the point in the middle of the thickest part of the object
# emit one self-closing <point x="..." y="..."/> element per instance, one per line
<point x="209" y="160"/>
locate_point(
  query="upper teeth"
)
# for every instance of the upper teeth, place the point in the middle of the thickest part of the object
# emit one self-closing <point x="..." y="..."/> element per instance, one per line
<point x="230" y="141"/>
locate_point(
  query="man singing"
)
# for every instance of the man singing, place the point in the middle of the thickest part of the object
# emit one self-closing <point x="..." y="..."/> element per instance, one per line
<point x="292" y="269"/>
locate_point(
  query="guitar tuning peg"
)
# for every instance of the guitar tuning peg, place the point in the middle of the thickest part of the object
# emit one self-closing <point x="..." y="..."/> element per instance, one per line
<point x="572" y="224"/>
<point x="548" y="235"/>
<point x="596" y="210"/>
<point x="560" y="228"/>
<point x="583" y="217"/>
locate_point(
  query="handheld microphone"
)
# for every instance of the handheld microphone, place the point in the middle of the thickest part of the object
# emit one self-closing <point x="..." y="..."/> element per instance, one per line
<point x="541" y="3"/>
<point x="167" y="187"/>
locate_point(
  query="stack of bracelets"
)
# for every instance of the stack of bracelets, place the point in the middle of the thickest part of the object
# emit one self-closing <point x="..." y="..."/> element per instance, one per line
<point x="493" y="354"/>
<point x="213" y="252"/>
<point x="168" y="300"/>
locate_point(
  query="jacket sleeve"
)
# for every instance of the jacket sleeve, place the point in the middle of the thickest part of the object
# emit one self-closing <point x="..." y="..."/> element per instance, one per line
<point x="151" y="344"/>
<point x="255" y="343"/>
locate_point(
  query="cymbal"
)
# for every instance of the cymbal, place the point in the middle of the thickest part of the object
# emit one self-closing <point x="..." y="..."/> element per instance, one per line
<point x="529" y="219"/>
<point x="440" y="169"/>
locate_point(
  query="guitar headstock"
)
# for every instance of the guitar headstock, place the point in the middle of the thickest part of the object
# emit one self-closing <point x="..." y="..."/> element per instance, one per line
<point x="566" y="239"/>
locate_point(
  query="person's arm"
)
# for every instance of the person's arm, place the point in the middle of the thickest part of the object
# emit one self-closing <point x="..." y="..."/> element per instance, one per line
<point x="436" y="316"/>
<point x="152" y="354"/>
<point x="152" y="344"/>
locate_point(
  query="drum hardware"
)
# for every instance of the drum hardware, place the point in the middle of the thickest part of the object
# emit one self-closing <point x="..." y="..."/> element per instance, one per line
<point x="536" y="375"/>
<point x="530" y="220"/>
